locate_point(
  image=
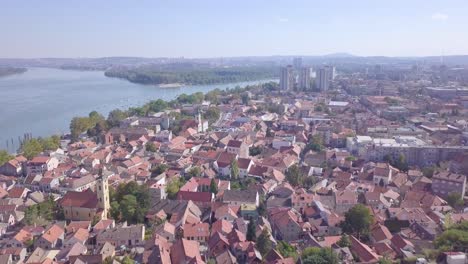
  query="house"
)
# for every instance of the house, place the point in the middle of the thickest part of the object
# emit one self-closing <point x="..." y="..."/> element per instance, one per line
<point x="345" y="200"/>
<point x="199" y="232"/>
<point x="201" y="199"/>
<point x="41" y="164"/>
<point x="52" y="238"/>
<point x="238" y="197"/>
<point x="21" y="239"/>
<point x="40" y="255"/>
<point x="166" y="231"/>
<point x="444" y="183"/>
<point x="285" y="224"/>
<point x="86" y="205"/>
<point x="16" y="254"/>
<point x="223" y="164"/>
<point x="129" y="236"/>
<point x="382" y="174"/>
<point x="380" y="233"/>
<point x="79" y="236"/>
<point x="218" y="243"/>
<point x="238" y="147"/>
<point x="244" y="166"/>
<point x="13" y="167"/>
<point x="186" y="251"/>
<point x="363" y="252"/>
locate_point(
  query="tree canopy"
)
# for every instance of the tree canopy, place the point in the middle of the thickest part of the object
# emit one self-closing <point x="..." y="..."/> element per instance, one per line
<point x="251" y="230"/>
<point x="315" y="255"/>
<point x="294" y="175"/>
<point x="234" y="169"/>
<point x="263" y="243"/>
<point x="5" y="157"/>
<point x="455" y="238"/>
<point x="35" y="146"/>
<point x="455" y="199"/>
<point x="130" y="202"/>
<point x="357" y="221"/>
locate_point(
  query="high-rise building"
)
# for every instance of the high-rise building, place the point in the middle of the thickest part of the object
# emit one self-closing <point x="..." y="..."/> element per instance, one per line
<point x="304" y="78"/>
<point x="297" y="62"/>
<point x="323" y="78"/>
<point x="286" y="78"/>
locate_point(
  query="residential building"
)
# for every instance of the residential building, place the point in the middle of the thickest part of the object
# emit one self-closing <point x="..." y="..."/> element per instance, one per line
<point x="444" y="183"/>
<point x="286" y="78"/>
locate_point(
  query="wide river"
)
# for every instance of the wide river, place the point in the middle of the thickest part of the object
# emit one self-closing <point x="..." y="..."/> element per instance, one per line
<point x="42" y="101"/>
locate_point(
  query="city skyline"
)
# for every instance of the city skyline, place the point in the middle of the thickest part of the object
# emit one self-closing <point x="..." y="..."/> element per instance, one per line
<point x="208" y="29"/>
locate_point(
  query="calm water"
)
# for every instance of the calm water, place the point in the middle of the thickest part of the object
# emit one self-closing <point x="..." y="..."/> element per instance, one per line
<point x="42" y="101"/>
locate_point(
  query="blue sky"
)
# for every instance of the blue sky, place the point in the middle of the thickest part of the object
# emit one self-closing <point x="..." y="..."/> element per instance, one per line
<point x="222" y="28"/>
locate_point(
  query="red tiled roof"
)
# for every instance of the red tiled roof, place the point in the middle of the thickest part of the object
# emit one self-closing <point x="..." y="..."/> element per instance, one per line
<point x="196" y="230"/>
<point x="204" y="197"/>
<point x="86" y="199"/>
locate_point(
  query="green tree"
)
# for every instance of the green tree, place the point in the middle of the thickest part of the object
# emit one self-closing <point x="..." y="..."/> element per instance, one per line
<point x="401" y="163"/>
<point x="287" y="250"/>
<point x="357" y="221"/>
<point x="213" y="186"/>
<point x="344" y="241"/>
<point x="453" y="239"/>
<point x="254" y="151"/>
<point x="245" y="98"/>
<point x="294" y="175"/>
<point x="212" y="114"/>
<point x="31" y="148"/>
<point x="115" y="117"/>
<point x="251" y="230"/>
<point x="128" y="207"/>
<point x="159" y="169"/>
<point x="5" y="157"/>
<point x="194" y="172"/>
<point x="115" y="210"/>
<point x="173" y="188"/>
<point x="150" y="147"/>
<point x="455" y="199"/>
<point x="428" y="171"/>
<point x="315" y="255"/>
<point x="157" y="106"/>
<point x="234" y="169"/>
<point x="78" y="125"/>
<point x="127" y="260"/>
<point x="263" y="243"/>
<point x="50" y="143"/>
<point x="262" y="207"/>
<point x="385" y="260"/>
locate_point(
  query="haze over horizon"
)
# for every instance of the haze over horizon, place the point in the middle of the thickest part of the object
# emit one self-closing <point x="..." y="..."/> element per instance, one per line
<point x="208" y="29"/>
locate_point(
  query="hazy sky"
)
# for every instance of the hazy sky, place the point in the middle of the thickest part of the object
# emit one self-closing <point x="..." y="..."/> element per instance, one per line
<point x="214" y="28"/>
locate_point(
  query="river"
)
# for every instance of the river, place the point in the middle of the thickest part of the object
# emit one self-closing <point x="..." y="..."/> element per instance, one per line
<point x="42" y="101"/>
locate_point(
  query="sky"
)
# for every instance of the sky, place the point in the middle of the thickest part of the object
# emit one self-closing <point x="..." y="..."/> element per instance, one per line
<point x="229" y="28"/>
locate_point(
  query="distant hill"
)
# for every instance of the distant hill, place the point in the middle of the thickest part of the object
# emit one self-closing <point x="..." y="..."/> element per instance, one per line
<point x="5" y="71"/>
<point x="339" y="55"/>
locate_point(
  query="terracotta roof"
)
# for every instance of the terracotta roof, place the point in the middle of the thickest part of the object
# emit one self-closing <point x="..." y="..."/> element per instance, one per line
<point x="75" y="225"/>
<point x="196" y="230"/>
<point x="380" y="233"/>
<point x="243" y="163"/>
<point x="234" y="143"/>
<point x="222" y="226"/>
<point x="86" y="199"/>
<point x="23" y="236"/>
<point x="204" y="197"/>
<point x="16" y="192"/>
<point x="53" y="233"/>
<point x="363" y="251"/>
<point x="40" y="160"/>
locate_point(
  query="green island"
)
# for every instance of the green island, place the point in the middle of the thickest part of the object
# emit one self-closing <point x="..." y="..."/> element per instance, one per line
<point x="6" y="71"/>
<point x="191" y="74"/>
